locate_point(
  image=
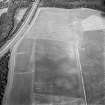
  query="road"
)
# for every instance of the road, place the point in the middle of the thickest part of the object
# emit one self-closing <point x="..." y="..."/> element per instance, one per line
<point x="22" y="29"/>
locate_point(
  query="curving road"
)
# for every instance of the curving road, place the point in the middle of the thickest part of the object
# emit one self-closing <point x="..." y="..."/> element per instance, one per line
<point x="22" y="29"/>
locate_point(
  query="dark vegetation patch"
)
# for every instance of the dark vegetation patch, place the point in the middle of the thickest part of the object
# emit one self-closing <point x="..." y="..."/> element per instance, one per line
<point x="69" y="4"/>
<point x="3" y="5"/>
<point x="4" y="69"/>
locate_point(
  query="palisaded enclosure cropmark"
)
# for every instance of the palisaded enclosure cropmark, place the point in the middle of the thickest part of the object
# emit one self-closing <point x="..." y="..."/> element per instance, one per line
<point x="58" y="63"/>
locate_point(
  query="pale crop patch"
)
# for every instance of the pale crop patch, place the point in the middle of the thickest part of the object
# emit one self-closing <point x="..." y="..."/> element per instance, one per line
<point x="93" y="23"/>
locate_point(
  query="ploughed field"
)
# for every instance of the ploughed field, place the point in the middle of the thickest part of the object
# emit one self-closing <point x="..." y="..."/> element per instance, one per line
<point x="56" y="63"/>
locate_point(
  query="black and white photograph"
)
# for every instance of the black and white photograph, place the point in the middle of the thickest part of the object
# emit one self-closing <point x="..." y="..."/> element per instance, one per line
<point x="52" y="52"/>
